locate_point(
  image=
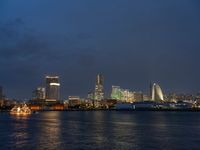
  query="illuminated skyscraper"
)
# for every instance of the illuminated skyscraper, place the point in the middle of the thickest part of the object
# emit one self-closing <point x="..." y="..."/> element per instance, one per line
<point x="99" y="91"/>
<point x="157" y="94"/>
<point x="52" y="88"/>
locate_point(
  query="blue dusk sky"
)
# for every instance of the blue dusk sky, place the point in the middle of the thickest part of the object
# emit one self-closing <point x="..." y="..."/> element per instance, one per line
<point x="131" y="42"/>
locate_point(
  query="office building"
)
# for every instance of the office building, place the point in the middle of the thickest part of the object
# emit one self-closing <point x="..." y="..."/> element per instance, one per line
<point x="52" y="88"/>
<point x="39" y="93"/>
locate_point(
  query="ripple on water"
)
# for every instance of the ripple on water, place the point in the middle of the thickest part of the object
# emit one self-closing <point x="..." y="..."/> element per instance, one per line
<point x="101" y="130"/>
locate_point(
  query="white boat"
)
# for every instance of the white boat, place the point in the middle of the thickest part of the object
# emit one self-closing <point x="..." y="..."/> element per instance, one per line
<point x="20" y="110"/>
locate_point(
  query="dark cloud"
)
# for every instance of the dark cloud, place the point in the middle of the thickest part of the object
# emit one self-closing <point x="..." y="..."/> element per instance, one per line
<point x="30" y="55"/>
<point x="131" y="43"/>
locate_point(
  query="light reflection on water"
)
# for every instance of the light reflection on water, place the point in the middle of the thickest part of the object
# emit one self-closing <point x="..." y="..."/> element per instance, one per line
<point x="19" y="134"/>
<point x="100" y="130"/>
<point x="49" y="132"/>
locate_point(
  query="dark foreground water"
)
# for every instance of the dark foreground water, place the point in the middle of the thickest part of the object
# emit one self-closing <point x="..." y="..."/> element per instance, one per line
<point x="101" y="130"/>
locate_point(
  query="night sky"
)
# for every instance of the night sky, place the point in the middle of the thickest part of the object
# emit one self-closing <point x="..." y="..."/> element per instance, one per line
<point x="131" y="42"/>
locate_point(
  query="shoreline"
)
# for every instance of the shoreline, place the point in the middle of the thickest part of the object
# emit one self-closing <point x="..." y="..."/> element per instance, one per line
<point x="127" y="110"/>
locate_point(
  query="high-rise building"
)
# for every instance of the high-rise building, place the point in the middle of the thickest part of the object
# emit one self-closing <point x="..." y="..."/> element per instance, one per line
<point x="52" y="88"/>
<point x="39" y="93"/>
<point x="157" y="94"/>
<point x="99" y="90"/>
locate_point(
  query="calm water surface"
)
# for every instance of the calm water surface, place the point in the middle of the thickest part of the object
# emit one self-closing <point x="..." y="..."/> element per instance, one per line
<point x="101" y="130"/>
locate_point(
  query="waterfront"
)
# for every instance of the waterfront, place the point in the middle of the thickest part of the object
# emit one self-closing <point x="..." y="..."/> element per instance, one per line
<point x="101" y="130"/>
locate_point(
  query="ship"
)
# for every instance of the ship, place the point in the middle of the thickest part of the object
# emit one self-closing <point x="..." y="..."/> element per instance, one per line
<point x="20" y="110"/>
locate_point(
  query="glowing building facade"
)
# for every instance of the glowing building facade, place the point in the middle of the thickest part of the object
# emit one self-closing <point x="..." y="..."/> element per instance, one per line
<point x="116" y="93"/>
<point x="157" y="94"/>
<point x="52" y="88"/>
<point x="99" y="90"/>
<point x="124" y="95"/>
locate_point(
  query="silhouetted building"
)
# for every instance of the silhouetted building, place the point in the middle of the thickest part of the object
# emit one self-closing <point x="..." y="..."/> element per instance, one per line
<point x="52" y="88"/>
<point x="99" y="90"/>
<point x="1" y="93"/>
<point x="39" y="93"/>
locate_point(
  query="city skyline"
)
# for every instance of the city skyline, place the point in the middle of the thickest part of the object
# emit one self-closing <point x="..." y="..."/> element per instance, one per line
<point x="132" y="43"/>
<point x="50" y="90"/>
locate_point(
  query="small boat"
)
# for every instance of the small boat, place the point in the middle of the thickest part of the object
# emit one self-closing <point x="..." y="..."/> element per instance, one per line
<point x="20" y="110"/>
<point x="35" y="112"/>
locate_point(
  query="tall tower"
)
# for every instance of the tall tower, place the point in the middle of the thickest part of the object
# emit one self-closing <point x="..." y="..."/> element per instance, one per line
<point x="99" y="90"/>
<point x="52" y="88"/>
